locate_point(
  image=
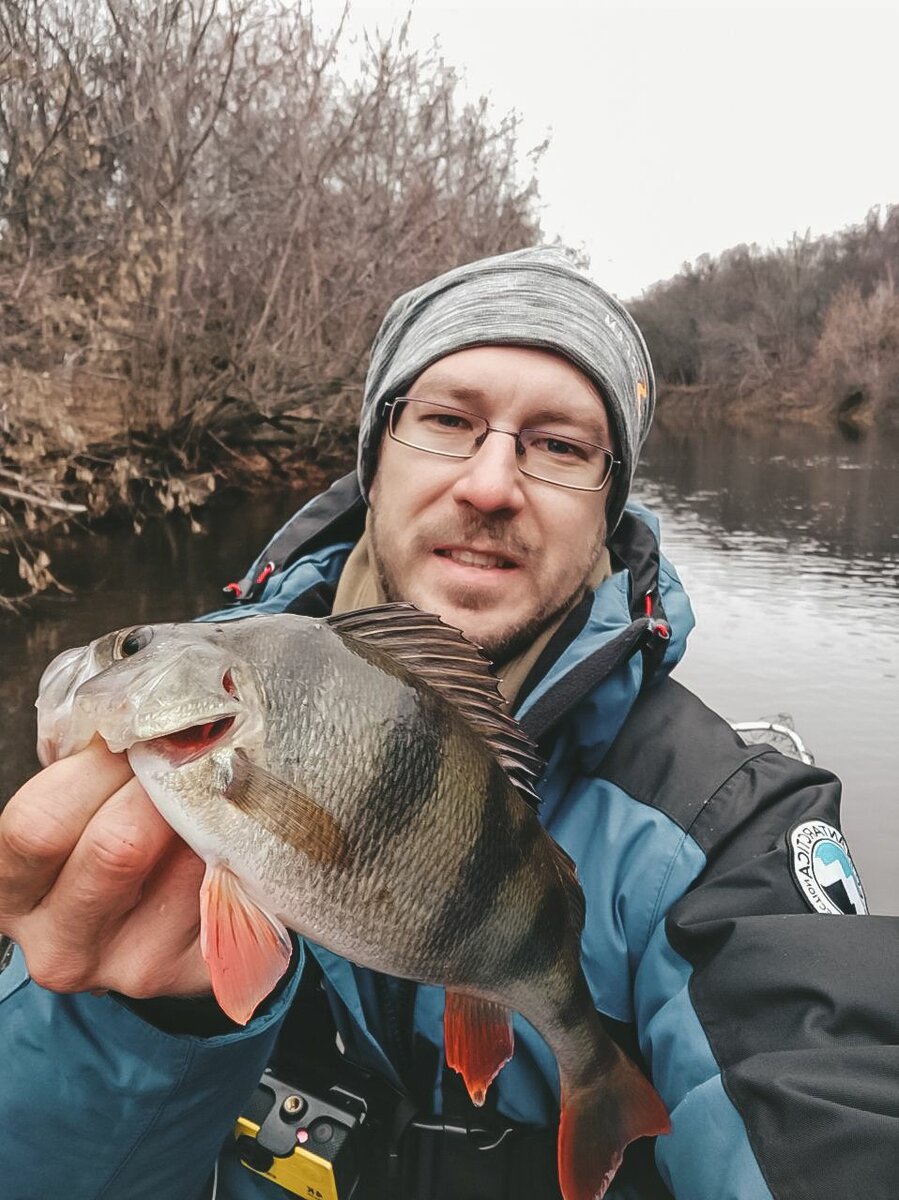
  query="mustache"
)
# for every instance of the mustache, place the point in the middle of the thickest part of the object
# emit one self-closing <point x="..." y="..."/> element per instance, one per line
<point x="492" y="534"/>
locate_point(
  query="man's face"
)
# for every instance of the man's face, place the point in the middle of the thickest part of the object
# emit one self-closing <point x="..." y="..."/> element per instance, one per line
<point x="492" y="551"/>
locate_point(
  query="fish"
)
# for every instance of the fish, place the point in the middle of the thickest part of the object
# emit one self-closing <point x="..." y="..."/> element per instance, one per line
<point x="359" y="780"/>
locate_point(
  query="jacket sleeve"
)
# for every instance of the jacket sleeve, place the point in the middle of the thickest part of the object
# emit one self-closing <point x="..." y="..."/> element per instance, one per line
<point x="97" y="1102"/>
<point x="772" y="1030"/>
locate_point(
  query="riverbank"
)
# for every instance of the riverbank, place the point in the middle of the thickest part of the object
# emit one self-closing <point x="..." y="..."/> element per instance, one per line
<point x="72" y="456"/>
<point x="793" y="401"/>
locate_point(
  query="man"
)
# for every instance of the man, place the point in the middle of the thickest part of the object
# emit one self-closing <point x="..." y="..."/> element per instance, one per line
<point x="504" y="410"/>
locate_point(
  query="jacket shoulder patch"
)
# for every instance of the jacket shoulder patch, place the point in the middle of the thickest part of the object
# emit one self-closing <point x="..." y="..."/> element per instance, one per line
<point x="824" y="871"/>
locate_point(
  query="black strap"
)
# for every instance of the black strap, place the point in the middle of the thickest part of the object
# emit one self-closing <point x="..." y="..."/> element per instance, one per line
<point x="558" y="701"/>
<point x="7" y="946"/>
<point x="308" y="1035"/>
<point x="634" y="546"/>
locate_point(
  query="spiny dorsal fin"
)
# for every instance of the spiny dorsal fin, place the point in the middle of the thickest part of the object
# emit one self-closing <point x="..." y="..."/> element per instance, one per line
<point x="455" y="667"/>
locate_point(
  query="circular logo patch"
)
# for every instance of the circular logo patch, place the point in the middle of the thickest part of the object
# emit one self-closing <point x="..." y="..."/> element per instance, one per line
<point x="824" y="870"/>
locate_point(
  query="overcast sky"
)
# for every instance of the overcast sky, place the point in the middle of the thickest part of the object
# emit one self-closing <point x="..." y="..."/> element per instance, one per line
<point x="679" y="131"/>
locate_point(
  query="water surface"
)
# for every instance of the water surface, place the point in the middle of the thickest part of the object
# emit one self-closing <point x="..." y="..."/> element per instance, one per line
<point x="788" y="544"/>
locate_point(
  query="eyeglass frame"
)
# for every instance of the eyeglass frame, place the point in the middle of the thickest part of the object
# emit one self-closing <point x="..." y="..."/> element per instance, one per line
<point x="390" y="409"/>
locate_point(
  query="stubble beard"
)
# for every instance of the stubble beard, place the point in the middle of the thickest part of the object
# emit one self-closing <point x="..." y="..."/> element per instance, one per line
<point x="503" y="645"/>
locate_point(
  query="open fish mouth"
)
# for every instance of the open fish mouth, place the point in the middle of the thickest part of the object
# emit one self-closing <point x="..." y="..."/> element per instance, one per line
<point x="185" y="745"/>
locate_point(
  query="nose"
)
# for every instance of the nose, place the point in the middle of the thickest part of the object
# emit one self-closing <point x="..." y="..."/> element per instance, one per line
<point x="490" y="480"/>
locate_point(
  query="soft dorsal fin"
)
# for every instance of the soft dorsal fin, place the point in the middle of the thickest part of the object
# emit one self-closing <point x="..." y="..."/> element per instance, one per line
<point x="455" y="668"/>
<point x="574" y="893"/>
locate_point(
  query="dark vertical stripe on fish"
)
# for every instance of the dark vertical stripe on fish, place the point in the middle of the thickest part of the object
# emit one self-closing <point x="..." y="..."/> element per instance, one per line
<point x="572" y="1012"/>
<point x="405" y="778"/>
<point x="542" y="945"/>
<point x="494" y="856"/>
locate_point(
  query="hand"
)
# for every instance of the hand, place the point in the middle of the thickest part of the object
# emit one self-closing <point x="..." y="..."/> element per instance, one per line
<point x="97" y="890"/>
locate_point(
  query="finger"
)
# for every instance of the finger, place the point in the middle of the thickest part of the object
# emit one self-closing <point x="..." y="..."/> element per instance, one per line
<point x="172" y="894"/>
<point x="102" y="880"/>
<point x="41" y="824"/>
<point x="66" y="939"/>
<point x="157" y="951"/>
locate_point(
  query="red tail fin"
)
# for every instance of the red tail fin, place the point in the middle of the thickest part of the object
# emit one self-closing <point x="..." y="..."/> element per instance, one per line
<point x="597" y="1125"/>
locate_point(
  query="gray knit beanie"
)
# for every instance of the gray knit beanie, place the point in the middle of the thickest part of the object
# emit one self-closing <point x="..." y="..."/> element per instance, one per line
<point x="536" y="298"/>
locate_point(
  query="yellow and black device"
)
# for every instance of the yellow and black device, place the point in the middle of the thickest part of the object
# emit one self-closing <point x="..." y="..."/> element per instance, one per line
<point x="307" y="1143"/>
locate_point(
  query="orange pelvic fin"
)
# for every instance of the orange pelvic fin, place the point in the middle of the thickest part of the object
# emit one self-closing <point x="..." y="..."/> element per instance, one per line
<point x="478" y="1038"/>
<point x="597" y="1124"/>
<point x="246" y="949"/>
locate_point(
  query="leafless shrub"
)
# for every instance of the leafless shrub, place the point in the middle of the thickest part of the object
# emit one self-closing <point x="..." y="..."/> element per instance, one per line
<point x="857" y="358"/>
<point x="205" y="207"/>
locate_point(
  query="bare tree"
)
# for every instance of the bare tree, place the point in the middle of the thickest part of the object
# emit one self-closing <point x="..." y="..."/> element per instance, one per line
<point x="856" y="363"/>
<point x="205" y="207"/>
<point x="790" y="319"/>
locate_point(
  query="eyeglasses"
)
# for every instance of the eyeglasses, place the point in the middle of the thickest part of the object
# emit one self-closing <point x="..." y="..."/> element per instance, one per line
<point x="540" y="453"/>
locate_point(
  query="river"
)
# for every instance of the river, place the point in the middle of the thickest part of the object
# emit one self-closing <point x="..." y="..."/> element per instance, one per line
<point x="788" y="544"/>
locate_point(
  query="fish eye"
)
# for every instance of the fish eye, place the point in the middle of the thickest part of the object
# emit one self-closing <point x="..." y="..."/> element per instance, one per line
<point x="134" y="640"/>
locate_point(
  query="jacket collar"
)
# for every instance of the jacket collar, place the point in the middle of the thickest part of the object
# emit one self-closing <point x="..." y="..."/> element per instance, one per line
<point x="595" y="677"/>
<point x="336" y="515"/>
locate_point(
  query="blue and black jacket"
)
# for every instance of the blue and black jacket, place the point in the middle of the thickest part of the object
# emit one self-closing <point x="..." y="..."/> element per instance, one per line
<point x="771" y="1031"/>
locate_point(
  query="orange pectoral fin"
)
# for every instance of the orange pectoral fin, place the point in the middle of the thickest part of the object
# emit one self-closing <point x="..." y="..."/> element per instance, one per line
<point x="286" y="812"/>
<point x="478" y="1038"/>
<point x="246" y="949"/>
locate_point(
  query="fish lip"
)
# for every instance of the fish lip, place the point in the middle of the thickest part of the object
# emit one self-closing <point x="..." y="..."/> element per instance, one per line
<point x="507" y="559"/>
<point x="221" y="712"/>
<point x="181" y="755"/>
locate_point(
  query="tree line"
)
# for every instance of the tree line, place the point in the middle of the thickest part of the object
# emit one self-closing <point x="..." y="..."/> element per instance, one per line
<point x="205" y="206"/>
<point x="817" y="319"/>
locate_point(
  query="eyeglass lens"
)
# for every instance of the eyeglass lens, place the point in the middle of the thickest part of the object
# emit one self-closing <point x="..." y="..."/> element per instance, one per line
<point x="552" y="457"/>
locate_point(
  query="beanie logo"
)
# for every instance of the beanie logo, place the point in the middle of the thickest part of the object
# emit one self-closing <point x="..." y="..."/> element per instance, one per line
<point x="625" y="343"/>
<point x="641" y="395"/>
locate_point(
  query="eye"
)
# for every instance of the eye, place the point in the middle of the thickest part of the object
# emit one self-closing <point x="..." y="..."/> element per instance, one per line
<point x="133" y="641"/>
<point x="559" y="447"/>
<point x="445" y="420"/>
